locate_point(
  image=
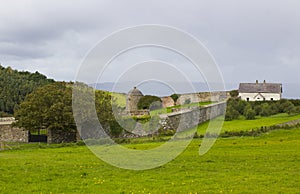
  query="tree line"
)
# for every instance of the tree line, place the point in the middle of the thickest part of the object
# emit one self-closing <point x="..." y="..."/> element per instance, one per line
<point x="237" y="107"/>
<point x="15" y="86"/>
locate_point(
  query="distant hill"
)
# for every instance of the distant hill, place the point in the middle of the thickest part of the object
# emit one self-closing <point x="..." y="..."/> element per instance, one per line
<point x="15" y="85"/>
<point x="155" y="88"/>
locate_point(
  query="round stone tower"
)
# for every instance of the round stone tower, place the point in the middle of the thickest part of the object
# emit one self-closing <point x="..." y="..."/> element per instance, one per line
<point x="132" y="100"/>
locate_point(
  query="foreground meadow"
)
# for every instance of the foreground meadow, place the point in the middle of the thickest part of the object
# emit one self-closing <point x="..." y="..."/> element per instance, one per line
<point x="265" y="164"/>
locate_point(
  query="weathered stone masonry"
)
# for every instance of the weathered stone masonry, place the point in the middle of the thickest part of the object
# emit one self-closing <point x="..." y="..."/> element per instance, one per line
<point x="12" y="134"/>
<point x="189" y="118"/>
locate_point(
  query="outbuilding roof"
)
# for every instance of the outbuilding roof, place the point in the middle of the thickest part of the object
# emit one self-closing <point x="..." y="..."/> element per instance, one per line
<point x="135" y="92"/>
<point x="260" y="88"/>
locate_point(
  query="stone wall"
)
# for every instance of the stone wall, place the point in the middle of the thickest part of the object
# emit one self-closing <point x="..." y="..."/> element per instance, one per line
<point x="7" y="120"/>
<point x="12" y="134"/>
<point x="189" y="118"/>
<point x="167" y="101"/>
<point x="61" y="136"/>
<point x="203" y="97"/>
<point x="138" y="113"/>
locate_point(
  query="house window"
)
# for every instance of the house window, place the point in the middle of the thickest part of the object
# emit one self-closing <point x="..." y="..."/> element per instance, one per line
<point x="247" y="99"/>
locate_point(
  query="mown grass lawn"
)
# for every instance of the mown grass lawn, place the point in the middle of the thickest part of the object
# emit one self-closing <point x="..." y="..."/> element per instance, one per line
<point x="265" y="164"/>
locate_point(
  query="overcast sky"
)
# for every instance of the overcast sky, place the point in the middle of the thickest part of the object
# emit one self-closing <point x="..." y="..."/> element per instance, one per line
<point x="249" y="39"/>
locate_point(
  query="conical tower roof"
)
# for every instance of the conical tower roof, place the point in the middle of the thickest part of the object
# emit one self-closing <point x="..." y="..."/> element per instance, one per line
<point x="135" y="92"/>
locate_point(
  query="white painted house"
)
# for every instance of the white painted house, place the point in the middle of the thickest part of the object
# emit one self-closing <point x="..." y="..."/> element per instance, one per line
<point x="260" y="91"/>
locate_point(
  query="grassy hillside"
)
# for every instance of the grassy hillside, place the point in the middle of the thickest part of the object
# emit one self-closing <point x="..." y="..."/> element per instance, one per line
<point x="266" y="164"/>
<point x="119" y="99"/>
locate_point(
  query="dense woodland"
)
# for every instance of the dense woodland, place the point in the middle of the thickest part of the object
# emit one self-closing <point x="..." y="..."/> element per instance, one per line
<point x="16" y="85"/>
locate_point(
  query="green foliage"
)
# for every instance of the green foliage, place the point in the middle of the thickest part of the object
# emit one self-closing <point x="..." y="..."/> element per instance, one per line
<point x="16" y="85"/>
<point x="241" y="106"/>
<point x="265" y="110"/>
<point x="4" y="114"/>
<point x="289" y="107"/>
<point x="234" y="93"/>
<point x="249" y="113"/>
<point x="257" y="108"/>
<point x="150" y="102"/>
<point x="260" y="108"/>
<point x="175" y="97"/>
<point x="231" y="114"/>
<point x="296" y="102"/>
<point x="48" y="107"/>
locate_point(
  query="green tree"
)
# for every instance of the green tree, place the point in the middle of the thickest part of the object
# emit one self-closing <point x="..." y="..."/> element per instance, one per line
<point x="47" y="107"/>
<point x="175" y="97"/>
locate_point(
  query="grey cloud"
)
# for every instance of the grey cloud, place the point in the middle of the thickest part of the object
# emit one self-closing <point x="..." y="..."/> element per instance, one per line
<point x="249" y="39"/>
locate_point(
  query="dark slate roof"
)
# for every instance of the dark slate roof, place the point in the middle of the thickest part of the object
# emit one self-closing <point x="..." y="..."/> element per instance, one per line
<point x="260" y="88"/>
<point x="135" y="92"/>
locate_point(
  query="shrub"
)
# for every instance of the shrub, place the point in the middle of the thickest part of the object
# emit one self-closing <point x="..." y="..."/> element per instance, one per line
<point x="241" y="106"/>
<point x="175" y="97"/>
<point x="282" y="104"/>
<point x="289" y="108"/>
<point x="249" y="114"/>
<point x="298" y="109"/>
<point x="231" y="114"/>
<point x="274" y="108"/>
<point x="265" y="110"/>
<point x="147" y="102"/>
<point x="296" y="102"/>
<point x="257" y="109"/>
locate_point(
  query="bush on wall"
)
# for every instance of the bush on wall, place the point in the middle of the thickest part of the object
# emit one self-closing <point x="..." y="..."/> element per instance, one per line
<point x="150" y="102"/>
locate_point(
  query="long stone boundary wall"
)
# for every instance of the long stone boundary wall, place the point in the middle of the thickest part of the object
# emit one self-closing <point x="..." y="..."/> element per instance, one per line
<point x="203" y="97"/>
<point x="189" y="118"/>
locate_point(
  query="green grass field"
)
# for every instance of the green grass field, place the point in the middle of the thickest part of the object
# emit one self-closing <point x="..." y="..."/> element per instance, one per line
<point x="265" y="164"/>
<point x="246" y="125"/>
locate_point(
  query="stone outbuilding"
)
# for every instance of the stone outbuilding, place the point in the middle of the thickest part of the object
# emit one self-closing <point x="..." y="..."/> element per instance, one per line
<point x="132" y="99"/>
